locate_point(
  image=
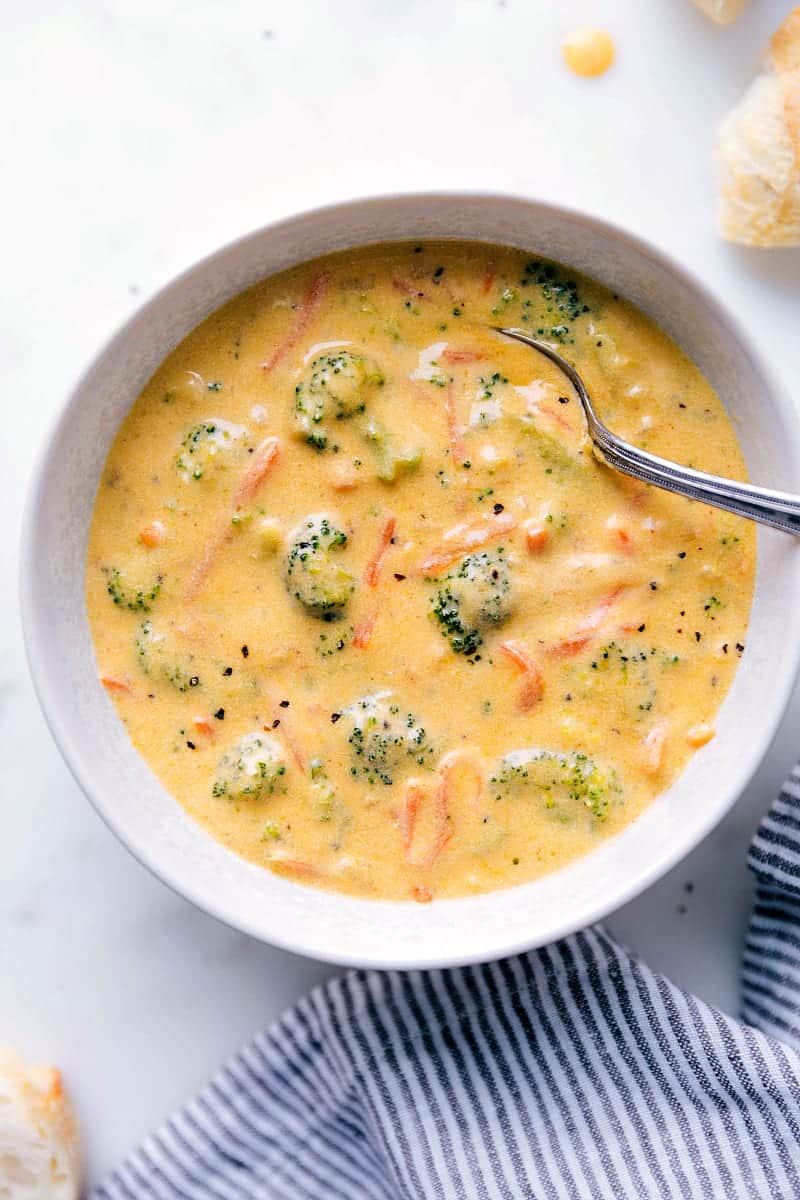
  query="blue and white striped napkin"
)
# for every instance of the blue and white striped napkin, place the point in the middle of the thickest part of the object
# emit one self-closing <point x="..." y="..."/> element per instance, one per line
<point x="570" y="1072"/>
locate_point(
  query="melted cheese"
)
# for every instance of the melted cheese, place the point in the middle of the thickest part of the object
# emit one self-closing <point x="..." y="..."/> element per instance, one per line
<point x="588" y="51"/>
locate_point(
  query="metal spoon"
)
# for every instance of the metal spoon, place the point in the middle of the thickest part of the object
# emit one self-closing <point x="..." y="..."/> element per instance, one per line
<point x="781" y="510"/>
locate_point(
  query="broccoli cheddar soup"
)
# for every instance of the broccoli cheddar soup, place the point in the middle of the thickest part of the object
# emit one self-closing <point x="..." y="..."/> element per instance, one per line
<point x="367" y="603"/>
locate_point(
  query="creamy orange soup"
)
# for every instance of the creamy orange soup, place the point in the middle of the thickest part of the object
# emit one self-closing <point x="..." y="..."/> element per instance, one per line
<point x="367" y="603"/>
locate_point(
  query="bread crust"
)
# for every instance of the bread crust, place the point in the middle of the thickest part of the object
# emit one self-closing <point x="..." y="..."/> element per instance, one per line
<point x="758" y="152"/>
<point x="722" y="11"/>
<point x="38" y="1133"/>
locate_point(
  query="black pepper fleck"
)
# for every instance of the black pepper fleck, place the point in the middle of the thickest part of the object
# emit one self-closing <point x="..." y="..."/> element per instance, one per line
<point x="245" y="651"/>
<point x="335" y="717"/>
<point x="498" y="508"/>
<point x="193" y="682"/>
<point x="399" y="577"/>
<point x="284" y="704"/>
<point x="191" y="745"/>
<point x="220" y="714"/>
<point x="228" y="671"/>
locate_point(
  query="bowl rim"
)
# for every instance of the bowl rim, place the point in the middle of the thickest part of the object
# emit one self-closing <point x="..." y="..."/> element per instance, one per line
<point x="49" y="690"/>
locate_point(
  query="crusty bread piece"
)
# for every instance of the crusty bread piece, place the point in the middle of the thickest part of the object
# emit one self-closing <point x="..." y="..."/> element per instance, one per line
<point x="722" y="11"/>
<point x="39" y="1157"/>
<point x="759" y="150"/>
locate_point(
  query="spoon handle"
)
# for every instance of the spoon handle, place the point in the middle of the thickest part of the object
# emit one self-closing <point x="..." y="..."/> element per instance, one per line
<point x="781" y="510"/>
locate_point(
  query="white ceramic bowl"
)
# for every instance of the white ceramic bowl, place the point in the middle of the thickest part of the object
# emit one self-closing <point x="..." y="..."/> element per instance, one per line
<point x="381" y="933"/>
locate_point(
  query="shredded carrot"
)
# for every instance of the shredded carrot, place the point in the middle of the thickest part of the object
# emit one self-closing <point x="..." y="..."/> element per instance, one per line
<point x="265" y="457"/>
<point x="417" y="795"/>
<point x="457" y="448"/>
<point x="295" y="868"/>
<point x="362" y="634"/>
<point x="531" y="691"/>
<point x="204" y="725"/>
<point x="116" y="685"/>
<point x="654" y="747"/>
<point x="314" y="296"/>
<point x="445" y="831"/>
<point x="451" y="762"/>
<point x="546" y="411"/>
<point x="536" y="537"/>
<point x="408" y="815"/>
<point x="372" y="572"/>
<point x="422" y="893"/>
<point x="406" y="288"/>
<point x="462" y="356"/>
<point x="616" y="528"/>
<point x="637" y="492"/>
<point x="153" y="534"/>
<point x="286" y="733"/>
<point x="469" y="540"/>
<point x="489" y="278"/>
<point x="585" y="631"/>
<point x="533" y="685"/>
<point x="200" y="573"/>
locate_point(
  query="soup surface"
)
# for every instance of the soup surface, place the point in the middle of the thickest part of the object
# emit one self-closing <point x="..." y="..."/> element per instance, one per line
<point x="367" y="603"/>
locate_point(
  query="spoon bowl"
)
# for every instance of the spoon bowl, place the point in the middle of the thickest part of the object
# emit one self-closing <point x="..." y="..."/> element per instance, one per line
<point x="780" y="510"/>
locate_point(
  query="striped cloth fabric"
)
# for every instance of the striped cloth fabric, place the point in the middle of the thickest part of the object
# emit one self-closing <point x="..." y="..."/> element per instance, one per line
<point x="574" y="1071"/>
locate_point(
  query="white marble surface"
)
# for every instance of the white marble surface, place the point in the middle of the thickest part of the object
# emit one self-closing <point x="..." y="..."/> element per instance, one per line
<point x="136" y="138"/>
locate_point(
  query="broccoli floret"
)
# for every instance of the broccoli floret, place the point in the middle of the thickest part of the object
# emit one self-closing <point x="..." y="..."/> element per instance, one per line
<point x="383" y="739"/>
<point x="206" y="445"/>
<point x="560" y="304"/>
<point x="252" y="768"/>
<point x="312" y="574"/>
<point x="158" y="655"/>
<point x="137" y="599"/>
<point x="325" y="805"/>
<point x="323" y="800"/>
<point x="472" y="598"/>
<point x="337" y="387"/>
<point x="390" y="460"/>
<point x="566" y="783"/>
